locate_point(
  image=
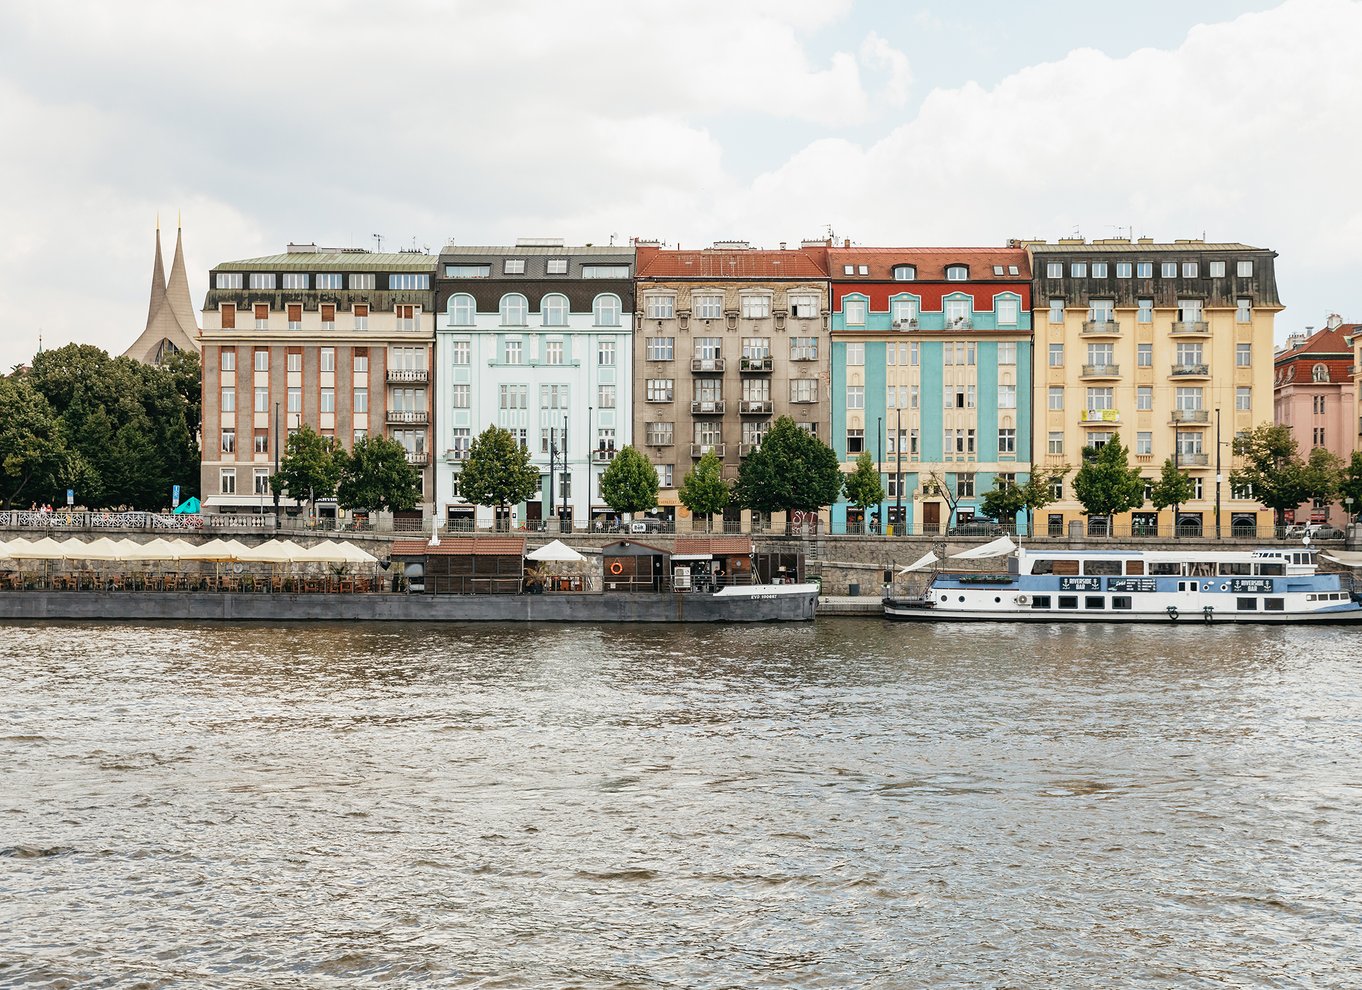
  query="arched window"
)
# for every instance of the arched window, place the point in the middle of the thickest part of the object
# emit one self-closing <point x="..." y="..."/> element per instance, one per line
<point x="554" y="309"/>
<point x="905" y="273"/>
<point x="462" y="310"/>
<point x="1320" y="373"/>
<point x="957" y="273"/>
<point x="514" y="310"/>
<point x="605" y="310"/>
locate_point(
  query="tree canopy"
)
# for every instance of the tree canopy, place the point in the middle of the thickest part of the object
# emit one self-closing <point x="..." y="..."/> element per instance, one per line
<point x="864" y="486"/>
<point x="791" y="470"/>
<point x="629" y="483"/>
<point x="703" y="490"/>
<point x="1270" y="466"/>
<point x="377" y="475"/>
<point x="311" y="467"/>
<point x="1350" y="484"/>
<point x="1173" y="487"/>
<point x="1106" y="483"/>
<point x="34" y="457"/>
<point x="1004" y="501"/>
<point x="498" y="471"/>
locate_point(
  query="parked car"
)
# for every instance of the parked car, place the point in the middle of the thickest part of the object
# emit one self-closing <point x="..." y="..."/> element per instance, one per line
<point x="1316" y="531"/>
<point x="646" y="526"/>
<point x="977" y="527"/>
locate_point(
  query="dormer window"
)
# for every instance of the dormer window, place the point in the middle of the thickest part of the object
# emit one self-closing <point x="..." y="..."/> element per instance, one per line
<point x="905" y="273"/>
<point x="513" y="266"/>
<point x="957" y="273"/>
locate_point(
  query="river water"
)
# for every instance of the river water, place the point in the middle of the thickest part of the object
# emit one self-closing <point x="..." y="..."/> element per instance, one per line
<point x="842" y="804"/>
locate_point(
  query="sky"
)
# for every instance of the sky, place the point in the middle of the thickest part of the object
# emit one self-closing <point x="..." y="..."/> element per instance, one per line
<point x="891" y="123"/>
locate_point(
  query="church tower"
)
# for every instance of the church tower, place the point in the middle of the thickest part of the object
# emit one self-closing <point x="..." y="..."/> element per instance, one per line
<point x="170" y="325"/>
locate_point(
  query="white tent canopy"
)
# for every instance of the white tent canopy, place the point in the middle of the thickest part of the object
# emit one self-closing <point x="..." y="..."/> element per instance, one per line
<point x="272" y="552"/>
<point x="158" y="549"/>
<point x="1000" y="547"/>
<point x="1347" y="558"/>
<point x="922" y="563"/>
<point x="100" y="549"/>
<point x="44" y="549"/>
<point x="555" y="551"/>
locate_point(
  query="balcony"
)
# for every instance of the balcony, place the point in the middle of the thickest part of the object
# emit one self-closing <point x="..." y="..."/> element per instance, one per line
<point x="1191" y="328"/>
<point x="711" y="365"/>
<point x="754" y="407"/>
<point x="1101" y="371"/>
<point x="700" y="449"/>
<point x="1098" y="416"/>
<point x="905" y="325"/>
<point x="1199" y="459"/>
<point x="1201" y="417"/>
<point x="456" y="455"/>
<point x="417" y="457"/>
<point x="755" y="365"/>
<point x="747" y="448"/>
<point x="960" y="323"/>
<point x="714" y="408"/>
<point x="1191" y="371"/>
<point x="406" y="417"/>
<point x="602" y="455"/>
<point x="1101" y="328"/>
<point x="405" y="376"/>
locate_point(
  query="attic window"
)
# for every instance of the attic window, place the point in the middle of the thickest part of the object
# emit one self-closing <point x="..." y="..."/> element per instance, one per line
<point x="513" y="266"/>
<point x="848" y="269"/>
<point x="1013" y="270"/>
<point x="863" y="270"/>
<point x="905" y="273"/>
<point x="557" y="266"/>
<point x="956" y="273"/>
<point x="997" y="269"/>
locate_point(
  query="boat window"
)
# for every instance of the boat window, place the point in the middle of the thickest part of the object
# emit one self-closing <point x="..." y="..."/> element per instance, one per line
<point x="1102" y="567"/>
<point x="1066" y="567"/>
<point x="1164" y="567"/>
<point x="1201" y="568"/>
<point x="1274" y="604"/>
<point x="1040" y="601"/>
<point x="1120" y="601"/>
<point x="1134" y="566"/>
<point x="1236" y="567"/>
<point x="1266" y="569"/>
<point x="1246" y="604"/>
<point x="1041" y="567"/>
<point x="1068" y="601"/>
<point x="1094" y="601"/>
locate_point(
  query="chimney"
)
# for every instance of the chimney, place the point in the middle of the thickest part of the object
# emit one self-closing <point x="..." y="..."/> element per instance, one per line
<point x="846" y="243"/>
<point x="782" y="245"/>
<point x="1334" y="321"/>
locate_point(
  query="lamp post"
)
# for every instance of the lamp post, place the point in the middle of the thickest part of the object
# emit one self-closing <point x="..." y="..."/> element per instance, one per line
<point x="553" y="467"/>
<point x="275" y="484"/>
<point x="563" y="513"/>
<point x="1348" y="508"/>
<point x="898" y="471"/>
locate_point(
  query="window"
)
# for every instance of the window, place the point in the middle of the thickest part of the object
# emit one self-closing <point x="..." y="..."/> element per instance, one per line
<point x="361" y="314"/>
<point x="1078" y="269"/>
<point x="553" y="308"/>
<point x="328" y="400"/>
<point x="460" y="354"/>
<point x="328" y="359"/>
<point x="1243" y="398"/>
<point x="262" y="400"/>
<point x="605" y="271"/>
<point x="1054" y="269"/>
<point x="660" y="307"/>
<point x="1144" y="269"/>
<point x="1100" y="355"/>
<point x="1007" y="441"/>
<point x="803" y="390"/>
<point x="1189" y="310"/>
<point x="553" y="352"/>
<point x="1244" y="269"/>
<point x="854" y="312"/>
<point x="658" y="434"/>
<point x="262" y="359"/>
<point x="513" y="396"/>
<point x="803" y="348"/>
<point x="605" y="396"/>
<point x="1319" y="436"/>
<point x="1144" y="443"/>
<point x="294" y="280"/>
<point x="556" y="266"/>
<point x="1216" y="269"/>
<point x="855" y="396"/>
<point x="964" y="486"/>
<point x="664" y="475"/>
<point x="1144" y="355"/>
<point x="660" y="348"/>
<point x="228" y="403"/>
<point x="856" y="355"/>
<point x="362" y="398"/>
<point x="709" y="349"/>
<point x="605" y="310"/>
<point x="1169" y="269"/>
<point x="408" y="280"/>
<point x="756" y="348"/>
<point x="1317" y="404"/>
<point x="1189" y="269"/>
<point x="328" y="312"/>
<point x="228" y="280"/>
<point x="1101" y="398"/>
<point x="514" y="310"/>
<point x="1007" y="397"/>
<point x="1007" y="311"/>
<point x="1243" y="355"/>
<point x="708" y="306"/>
<point x="913" y="355"/>
<point x="228" y="360"/>
<point x="914" y="394"/>
<point x="293" y="361"/>
<point x="452" y="271"/>
<point x="1144" y="398"/>
<point x="957" y="273"/>
<point x="756" y="307"/>
<point x="855" y="442"/>
<point x="1056" y="310"/>
<point x="905" y="273"/>
<point x="1187" y="399"/>
<point x="848" y="269"/>
<point x="262" y="280"/>
<point x="513" y="266"/>
<point x="1056" y="442"/>
<point x="295" y="316"/>
<point x="1007" y="352"/>
<point x="660" y="389"/>
<point x="1056" y="355"/>
<point x="514" y="351"/>
<point x="462" y="310"/>
<point x="229" y="440"/>
<point x="1189" y="441"/>
<point x="1144" y="311"/>
<point x="958" y="312"/>
<point x="1055" y="398"/>
<point x="803" y="306"/>
<point x="1123" y="269"/>
<point x="1099" y="269"/>
<point x="333" y="281"/>
<point x="227" y="481"/>
<point x="1243" y="312"/>
<point x="1188" y="355"/>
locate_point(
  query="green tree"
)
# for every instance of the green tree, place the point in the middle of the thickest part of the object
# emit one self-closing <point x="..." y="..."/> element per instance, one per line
<point x="1350" y="484"/>
<point x="1039" y="491"/>
<point x="1270" y="466"/>
<point x="1004" y="501"/>
<point x="377" y="475"/>
<point x="311" y="467"/>
<point x="1323" y="475"/>
<point x="498" y="472"/>
<point x="791" y="470"/>
<point x="1106" y="483"/>
<point x="864" y="487"/>
<point x="33" y="450"/>
<point x="1173" y="487"/>
<point x="703" y="490"/>
<point x="629" y="484"/>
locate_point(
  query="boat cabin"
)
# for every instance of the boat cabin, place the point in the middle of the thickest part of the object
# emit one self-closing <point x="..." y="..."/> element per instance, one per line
<point x="630" y="566"/>
<point x="706" y="563"/>
<point x="1165" y="563"/>
<point x="462" y="565"/>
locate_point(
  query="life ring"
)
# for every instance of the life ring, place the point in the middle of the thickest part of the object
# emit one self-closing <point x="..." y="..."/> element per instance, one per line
<point x="1173" y="612"/>
<point x="616" y="567"/>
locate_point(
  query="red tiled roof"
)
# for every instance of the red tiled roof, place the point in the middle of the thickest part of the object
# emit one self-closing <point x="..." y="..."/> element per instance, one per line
<point x="479" y="546"/>
<point x="714" y="544"/>
<point x="717" y="263"/>
<point x="1330" y="340"/>
<point x="930" y="262"/>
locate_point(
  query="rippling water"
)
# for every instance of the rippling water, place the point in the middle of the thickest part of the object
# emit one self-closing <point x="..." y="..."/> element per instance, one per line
<point x="846" y="804"/>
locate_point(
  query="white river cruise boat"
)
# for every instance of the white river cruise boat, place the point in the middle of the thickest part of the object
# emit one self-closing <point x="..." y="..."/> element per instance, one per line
<point x="1169" y="585"/>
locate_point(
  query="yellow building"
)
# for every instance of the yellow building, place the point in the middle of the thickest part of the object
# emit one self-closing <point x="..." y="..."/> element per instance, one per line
<point x="1168" y="346"/>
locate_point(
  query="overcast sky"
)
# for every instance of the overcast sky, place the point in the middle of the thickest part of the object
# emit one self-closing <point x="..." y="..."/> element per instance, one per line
<point x="916" y="123"/>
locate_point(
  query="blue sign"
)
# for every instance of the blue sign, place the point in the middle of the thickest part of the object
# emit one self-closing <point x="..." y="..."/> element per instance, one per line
<point x="70" y="496"/>
<point x="175" y="497"/>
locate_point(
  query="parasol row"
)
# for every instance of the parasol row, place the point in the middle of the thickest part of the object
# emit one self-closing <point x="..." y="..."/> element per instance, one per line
<point x="270" y="552"/>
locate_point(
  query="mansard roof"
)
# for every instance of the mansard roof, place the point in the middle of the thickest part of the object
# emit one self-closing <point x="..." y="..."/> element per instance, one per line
<point x="356" y="260"/>
<point x="722" y="263"/>
<point x="930" y="262"/>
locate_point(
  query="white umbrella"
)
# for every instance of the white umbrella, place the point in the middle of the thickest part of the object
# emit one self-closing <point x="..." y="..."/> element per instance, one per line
<point x="357" y="555"/>
<point x="158" y="549"/>
<point x="44" y="549"/>
<point x="555" y="551"/>
<point x="100" y="549"/>
<point x="274" y="552"/>
<point x="326" y="552"/>
<point x="1000" y="547"/>
<point x="212" y="550"/>
<point x="922" y="563"/>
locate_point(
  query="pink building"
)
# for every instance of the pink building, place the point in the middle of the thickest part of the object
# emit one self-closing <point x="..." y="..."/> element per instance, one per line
<point x="1314" y="395"/>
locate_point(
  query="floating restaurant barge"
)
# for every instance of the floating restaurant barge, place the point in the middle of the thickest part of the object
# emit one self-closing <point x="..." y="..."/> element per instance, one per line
<point x="461" y="579"/>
